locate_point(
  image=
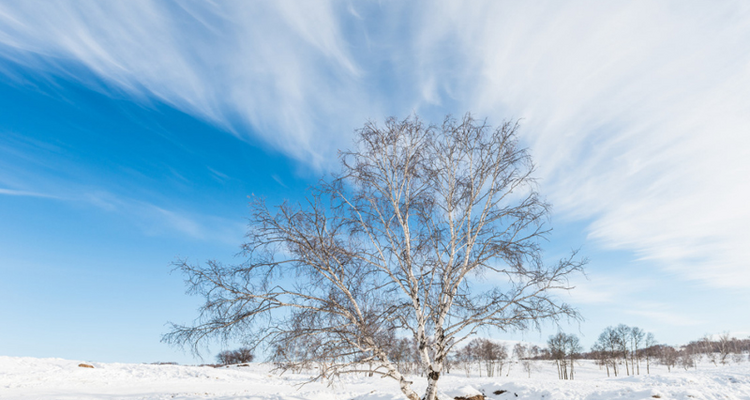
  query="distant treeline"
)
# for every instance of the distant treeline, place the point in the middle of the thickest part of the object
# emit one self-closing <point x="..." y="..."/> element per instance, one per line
<point x="620" y="349"/>
<point x="625" y="349"/>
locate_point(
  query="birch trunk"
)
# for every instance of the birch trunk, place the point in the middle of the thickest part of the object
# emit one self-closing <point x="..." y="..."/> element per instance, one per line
<point x="431" y="391"/>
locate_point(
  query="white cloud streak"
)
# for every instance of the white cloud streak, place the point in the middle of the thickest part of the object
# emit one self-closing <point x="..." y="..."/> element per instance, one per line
<point x="277" y="68"/>
<point x="154" y="220"/>
<point x="636" y="112"/>
<point x="664" y="314"/>
<point x="151" y="219"/>
<point x="24" y="193"/>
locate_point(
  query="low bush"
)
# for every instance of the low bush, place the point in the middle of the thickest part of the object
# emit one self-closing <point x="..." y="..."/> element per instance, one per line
<point x="239" y="356"/>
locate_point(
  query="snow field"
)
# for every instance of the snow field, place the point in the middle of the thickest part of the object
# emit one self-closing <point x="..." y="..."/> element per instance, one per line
<point x="54" y="378"/>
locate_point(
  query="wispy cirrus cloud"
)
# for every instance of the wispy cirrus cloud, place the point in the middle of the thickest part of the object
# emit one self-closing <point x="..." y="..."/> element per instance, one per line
<point x="25" y="193"/>
<point x="278" y="69"/>
<point x="151" y="219"/>
<point x="659" y="313"/>
<point x="155" y="220"/>
<point x="636" y="112"/>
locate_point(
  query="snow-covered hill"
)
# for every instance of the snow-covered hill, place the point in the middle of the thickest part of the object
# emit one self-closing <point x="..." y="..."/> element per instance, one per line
<point x="34" y="378"/>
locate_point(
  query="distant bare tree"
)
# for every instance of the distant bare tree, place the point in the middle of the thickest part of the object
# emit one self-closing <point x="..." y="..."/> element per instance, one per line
<point x="724" y="347"/>
<point x="737" y="351"/>
<point x="534" y="351"/>
<point x="707" y="347"/>
<point x="298" y="354"/>
<point x="403" y="353"/>
<point x="609" y="347"/>
<point x="687" y="358"/>
<point x="395" y="242"/>
<point x="637" y="336"/>
<point x="525" y="355"/>
<point x="600" y="356"/>
<point x="648" y="352"/>
<point x="623" y="339"/>
<point x="499" y="357"/>
<point x="465" y="358"/>
<point x="240" y="356"/>
<point x="564" y="349"/>
<point x="668" y="356"/>
<point x="483" y="353"/>
<point x="224" y="358"/>
<point x="489" y="356"/>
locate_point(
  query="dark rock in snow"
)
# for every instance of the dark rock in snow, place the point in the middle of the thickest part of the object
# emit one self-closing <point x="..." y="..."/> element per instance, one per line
<point x="477" y="397"/>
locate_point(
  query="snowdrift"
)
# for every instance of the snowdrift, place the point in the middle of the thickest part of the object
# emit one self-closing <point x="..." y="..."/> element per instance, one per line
<point x="54" y="378"/>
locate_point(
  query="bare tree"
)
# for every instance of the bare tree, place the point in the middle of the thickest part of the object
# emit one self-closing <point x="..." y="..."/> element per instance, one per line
<point x="688" y="358"/>
<point x="724" y="347"/>
<point x="397" y="241"/>
<point x="465" y="359"/>
<point x="609" y="347"/>
<point x="500" y="358"/>
<point x="489" y="356"/>
<point x="668" y="356"/>
<point x="239" y="356"/>
<point x="402" y="352"/>
<point x="600" y="356"/>
<point x="637" y="336"/>
<point x="564" y="349"/>
<point x="736" y="346"/>
<point x="525" y="354"/>
<point x="649" y="352"/>
<point x="486" y="350"/>
<point x="623" y="338"/>
<point x="707" y="347"/>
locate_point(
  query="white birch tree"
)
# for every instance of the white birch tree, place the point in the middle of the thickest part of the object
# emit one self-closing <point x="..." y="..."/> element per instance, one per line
<point x="430" y="232"/>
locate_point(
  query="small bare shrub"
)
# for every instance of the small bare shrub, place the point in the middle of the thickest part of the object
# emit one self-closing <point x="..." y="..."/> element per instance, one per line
<point x="240" y="356"/>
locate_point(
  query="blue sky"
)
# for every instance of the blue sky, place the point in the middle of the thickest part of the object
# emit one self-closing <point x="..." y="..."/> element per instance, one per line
<point x="131" y="133"/>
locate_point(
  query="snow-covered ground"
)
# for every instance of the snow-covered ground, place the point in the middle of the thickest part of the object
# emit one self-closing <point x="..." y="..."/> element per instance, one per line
<point x="34" y="378"/>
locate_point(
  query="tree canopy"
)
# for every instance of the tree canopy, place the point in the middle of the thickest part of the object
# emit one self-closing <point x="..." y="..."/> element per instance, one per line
<point x="429" y="231"/>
